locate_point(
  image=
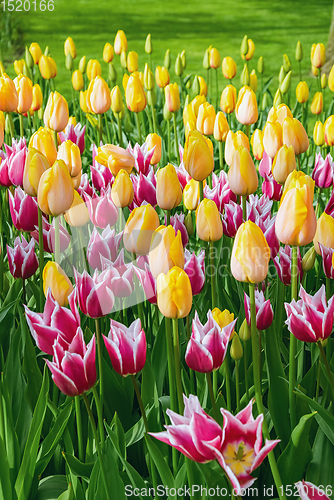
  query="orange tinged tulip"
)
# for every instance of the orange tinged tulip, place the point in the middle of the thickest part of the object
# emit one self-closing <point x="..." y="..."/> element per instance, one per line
<point x="120" y="43"/>
<point x="324" y="233"/>
<point x="215" y="59"/>
<point x="8" y="94"/>
<point x="272" y="138"/>
<point x="98" y="96"/>
<point x="139" y="227"/>
<point x="302" y="92"/>
<point x="154" y="140"/>
<point x="162" y="76"/>
<point x="317" y="103"/>
<point x="56" y="112"/>
<point x="257" y="144"/>
<point x="36" y="52"/>
<point x="70" y="154"/>
<point x="169" y="191"/>
<point x="329" y="131"/>
<point x="198" y="156"/>
<point x="250" y="254"/>
<point x="246" y="108"/>
<point x="23" y="86"/>
<point x="166" y="250"/>
<point x="295" y="135"/>
<point x="318" y="55"/>
<point x="122" y="190"/>
<point x="172" y="95"/>
<point x="93" y="69"/>
<point x="209" y="225"/>
<point x="132" y="61"/>
<point x="36" y="164"/>
<point x="59" y="284"/>
<point x="221" y="128"/>
<point x="42" y="141"/>
<point x="174" y="294"/>
<point x="69" y="48"/>
<point x="77" y="80"/>
<point x="37" y="98"/>
<point x="229" y="68"/>
<point x="206" y="119"/>
<point x="233" y="141"/>
<point x="55" y="190"/>
<point x="115" y="158"/>
<point x="242" y="176"/>
<point x="284" y="163"/>
<point x="135" y="95"/>
<point x="108" y="53"/>
<point x="228" y="99"/>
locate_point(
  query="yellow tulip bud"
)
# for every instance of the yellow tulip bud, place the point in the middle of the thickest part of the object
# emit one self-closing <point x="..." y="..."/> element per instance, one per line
<point x="77" y="80"/>
<point x="148" y="78"/>
<point x="93" y="69"/>
<point x="242" y="176"/>
<point x="47" y="67"/>
<point x="115" y="158"/>
<point x="215" y="59"/>
<point x="98" y="96"/>
<point x="233" y="141"/>
<point x="132" y="61"/>
<point x="37" y="98"/>
<point x="257" y="144"/>
<point x="8" y="94"/>
<point x="294" y="134"/>
<point x="36" y="52"/>
<point x="166" y="250"/>
<point x="246" y="108"/>
<point x="83" y="101"/>
<point x="70" y="154"/>
<point x="308" y="260"/>
<point x="174" y="294"/>
<point x="122" y="190"/>
<point x="206" y="119"/>
<point x="329" y="131"/>
<point x="228" y="99"/>
<point x="23" y="87"/>
<point x="209" y="225"/>
<point x="69" y="62"/>
<point x="120" y="43"/>
<point x="278" y="98"/>
<point x="172" y="96"/>
<point x="229" y="68"/>
<point x="317" y="103"/>
<point x="148" y="44"/>
<point x="284" y="163"/>
<point x="42" y="141"/>
<point x="161" y="76"/>
<point x="296" y="221"/>
<point x="178" y="66"/>
<point x="82" y="64"/>
<point x="203" y="88"/>
<point x="244" y="76"/>
<point x="135" y="95"/>
<point x="169" y="192"/>
<point x="191" y="195"/>
<point x="331" y="79"/>
<point x="55" y="190"/>
<point x="56" y="112"/>
<point x="318" y="55"/>
<point x="302" y="92"/>
<point x="315" y="71"/>
<point x="236" y="350"/>
<point x="260" y="65"/>
<point x="77" y="215"/>
<point x="116" y="100"/>
<point x="123" y="59"/>
<point x="69" y="48"/>
<point x="318" y="134"/>
<point x="198" y="156"/>
<point x="36" y="164"/>
<point x="250" y="254"/>
<point x="154" y="140"/>
<point x="59" y="284"/>
<point x="108" y="53"/>
<point x="139" y="228"/>
<point x="299" y="52"/>
<point x="253" y="81"/>
<point x="272" y="138"/>
<point x="324" y="233"/>
<point x="18" y="66"/>
<point x="221" y="128"/>
<point x="324" y="81"/>
<point x="251" y="49"/>
<point x="244" y="46"/>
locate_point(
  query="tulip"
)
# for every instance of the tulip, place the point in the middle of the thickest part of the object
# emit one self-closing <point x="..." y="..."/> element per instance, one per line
<point x="43" y="142"/>
<point x="108" y="53"/>
<point x="169" y="192"/>
<point x="233" y="141"/>
<point x="77" y="80"/>
<point x="154" y="141"/>
<point x="56" y="280"/>
<point x="166" y="250"/>
<point x="53" y="322"/>
<point x="242" y="176"/>
<point x="47" y="67"/>
<point x="19" y="66"/>
<point x="77" y="215"/>
<point x="148" y="282"/>
<point x="215" y="59"/>
<point x="198" y="156"/>
<point x="98" y="96"/>
<point x="283" y="265"/>
<point x="76" y="134"/>
<point x="37" y="98"/>
<point x="14" y="163"/>
<point x="70" y="154"/>
<point x="317" y="103"/>
<point x="191" y="195"/>
<point x="195" y="104"/>
<point x="308" y="491"/>
<point x="194" y="266"/>
<point x="208" y="222"/>
<point x="85" y="187"/>
<point x="115" y="158"/>
<point x="56" y="112"/>
<point x="135" y="95"/>
<point x="23" y="210"/>
<point x="117" y="105"/>
<point x="250" y="254"/>
<point x="271" y="188"/>
<point x="296" y="221"/>
<point x="228" y="99"/>
<point x="229" y="68"/>
<point x="93" y="69"/>
<point x="143" y="156"/>
<point x="182" y="174"/>
<point x="162" y="76"/>
<point x="284" y="163"/>
<point x="323" y="173"/>
<point x="324" y="233"/>
<point x="54" y="181"/>
<point x="318" y="55"/>
<point x="221" y="192"/>
<point x="311" y="318"/>
<point x="208" y="343"/>
<point x="126" y="347"/>
<point x="132" y="61"/>
<point x="139" y="229"/>
<point x="302" y="92"/>
<point x="36" y="52"/>
<point x="49" y="237"/>
<point x="327" y="259"/>
<point x="257" y="144"/>
<point x="23" y="86"/>
<point x="272" y="138"/>
<point x="93" y="294"/>
<point x="102" y="210"/>
<point x="144" y="188"/>
<point x="177" y="221"/>
<point x="174" y="295"/>
<point x="250" y="52"/>
<point x="203" y="88"/>
<point x="206" y="119"/>
<point x="279" y="113"/>
<point x="105" y="245"/>
<point x="8" y="94"/>
<point x="172" y="96"/>
<point x="120" y="43"/>
<point x="73" y="367"/>
<point x="232" y="219"/>
<point x="224" y="319"/>
<point x="318" y="134"/>
<point x="35" y="165"/>
<point x="125" y="80"/>
<point x="122" y="192"/>
<point x="264" y="311"/>
<point x="221" y="127"/>
<point x="329" y="131"/>
<point x="22" y="260"/>
<point x="83" y="101"/>
<point x="294" y="134"/>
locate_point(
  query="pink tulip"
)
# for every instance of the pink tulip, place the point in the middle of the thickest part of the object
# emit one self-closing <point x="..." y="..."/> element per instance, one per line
<point x="101" y="176"/>
<point x="177" y="221"/>
<point x="16" y="158"/>
<point x="142" y="156"/>
<point x="93" y="293"/>
<point x="24" y="210"/>
<point x="120" y="275"/>
<point x="194" y="266"/>
<point x="207" y="346"/>
<point x="49" y="237"/>
<point x="195" y="434"/>
<point x="147" y="280"/>
<point x="126" y="347"/>
<point x="271" y="188"/>
<point x="283" y="264"/>
<point x="258" y="206"/>
<point x="241" y="451"/>
<point x="232" y="219"/>
<point x="329" y="209"/>
<point x="264" y="311"/>
<point x="221" y="192"/>
<point x="75" y="134"/>
<point x="85" y="187"/>
<point x="73" y="367"/>
<point x="102" y="210"/>
<point x="105" y="244"/>
<point x="144" y="188"/>
<point x="308" y="491"/>
<point x="323" y="171"/>
<point x="265" y="165"/>
<point x="22" y="260"/>
<point x="311" y="318"/>
<point x="182" y="174"/>
<point x="327" y="259"/>
<point x="267" y="225"/>
<point x="4" y="178"/>
<point x="54" y="322"/>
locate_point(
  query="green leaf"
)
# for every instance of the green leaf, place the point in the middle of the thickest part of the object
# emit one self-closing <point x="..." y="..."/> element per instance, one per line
<point x="5" y="484"/>
<point x="162" y="466"/>
<point x="159" y="358"/>
<point x="297" y="455"/>
<point x="320" y="470"/>
<point x="323" y="417"/>
<point x="215" y="479"/>
<point x="136" y="433"/>
<point x="78" y="468"/>
<point x="10" y="437"/>
<point x="120" y="434"/>
<point x="51" y="487"/>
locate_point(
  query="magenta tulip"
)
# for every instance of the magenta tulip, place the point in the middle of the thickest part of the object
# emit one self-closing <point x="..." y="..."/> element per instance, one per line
<point x="73" y="367"/>
<point x="327" y="260"/>
<point x="85" y="187"/>
<point x="126" y="347"/>
<point x="194" y="266"/>
<point x="177" y="221"/>
<point x="271" y="188"/>
<point x="232" y="219"/>
<point x="4" y="178"/>
<point x="102" y="210"/>
<point x="221" y="192"/>
<point x="308" y="491"/>
<point x="142" y="156"/>
<point x="101" y="176"/>
<point x="75" y="134"/>
<point x="22" y="259"/>
<point x="105" y="244"/>
<point x="120" y="275"/>
<point x="15" y="159"/>
<point x="144" y="188"/>
<point x="182" y="174"/>
<point x="54" y="322"/>
<point x="49" y="237"/>
<point x="311" y="318"/>
<point x="24" y="210"/>
<point x="264" y="311"/>
<point x="323" y="171"/>
<point x="283" y="264"/>
<point x="93" y="293"/>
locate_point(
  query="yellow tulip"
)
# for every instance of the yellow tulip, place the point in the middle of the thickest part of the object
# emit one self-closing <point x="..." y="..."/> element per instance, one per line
<point x="19" y="66"/>
<point x="229" y="68"/>
<point x="223" y="318"/>
<point x="279" y="113"/>
<point x="174" y="294"/>
<point x="115" y="158"/>
<point x="98" y="96"/>
<point x="198" y="156"/>
<point x="221" y="128"/>
<point x="122" y="189"/>
<point x="257" y="144"/>
<point x="108" y="53"/>
<point x="203" y="88"/>
<point x="251" y="50"/>
<point x="196" y="103"/>
<point x="135" y="95"/>
<point x="77" y="215"/>
<point x="206" y="119"/>
<point x="83" y="101"/>
<point x="209" y="225"/>
<point x="302" y="92"/>
<point x="37" y="98"/>
<point x="70" y="154"/>
<point x="120" y="43"/>
<point x="42" y="141"/>
<point x="329" y="131"/>
<point x="250" y="254"/>
<point x="233" y="141"/>
<point x="8" y="94"/>
<point x="318" y="134"/>
<point x="93" y="69"/>
<point x="191" y="195"/>
<point x="139" y="228"/>
<point x="166" y="250"/>
<point x="324" y="233"/>
<point x="55" y="190"/>
<point x="77" y="80"/>
<point x="246" y="108"/>
<point x="46" y="67"/>
<point x="83" y="64"/>
<point x="59" y="284"/>
<point x="317" y="103"/>
<point x="253" y="81"/>
<point x="228" y="99"/>
<point x="69" y="48"/>
<point x="132" y="61"/>
<point x="215" y="59"/>
<point x="23" y="86"/>
<point x="284" y="163"/>
<point x="172" y="95"/>
<point x="331" y="79"/>
<point x="36" y="52"/>
<point x="296" y="221"/>
<point x="117" y="104"/>
<point x="76" y="181"/>
<point x="318" y="55"/>
<point x="295" y="135"/>
<point x="242" y="176"/>
<point x="56" y="112"/>
<point x="162" y="76"/>
<point x="36" y="164"/>
<point x="272" y="138"/>
<point x="169" y="191"/>
<point x="154" y="140"/>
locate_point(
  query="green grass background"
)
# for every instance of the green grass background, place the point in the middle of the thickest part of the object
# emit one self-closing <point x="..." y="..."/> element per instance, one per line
<point x="275" y="27"/>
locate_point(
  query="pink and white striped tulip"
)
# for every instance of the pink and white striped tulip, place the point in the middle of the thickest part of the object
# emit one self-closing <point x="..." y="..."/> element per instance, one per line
<point x="101" y="177"/>
<point x="194" y="266"/>
<point x="93" y="293"/>
<point x="311" y="318"/>
<point x="16" y="158"/>
<point x="85" y="187"/>
<point x="327" y="260"/>
<point x="283" y="264"/>
<point x="232" y="219"/>
<point x="24" y="210"/>
<point x="181" y="172"/>
<point x="177" y="221"/>
<point x="102" y="210"/>
<point x="105" y="244"/>
<point x="271" y="188"/>
<point x="308" y="491"/>
<point x="22" y="259"/>
<point x="143" y="157"/>
<point x="49" y="237"/>
<point x="221" y="192"/>
<point x="126" y="347"/>
<point x="323" y="173"/>
<point x="119" y="275"/>
<point x="144" y="188"/>
<point x="264" y="311"/>
<point x="147" y="280"/>
<point x="75" y="134"/>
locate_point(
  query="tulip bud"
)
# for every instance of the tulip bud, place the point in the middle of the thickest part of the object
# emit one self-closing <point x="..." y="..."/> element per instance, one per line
<point x="122" y="190"/>
<point x="286" y="63"/>
<point x="108" y="53"/>
<point x="93" y="69"/>
<point x="83" y="101"/>
<point x="82" y="65"/>
<point x="278" y="99"/>
<point x="315" y="71"/>
<point x="233" y="141"/>
<point x="148" y="78"/>
<point x="42" y="141"/>
<point x="245" y="331"/>
<point x="172" y="95"/>
<point x="135" y="95"/>
<point x="26" y="71"/>
<point x="132" y="61"/>
<point x="246" y="108"/>
<point x="206" y="119"/>
<point x="318" y="55"/>
<point x="29" y="58"/>
<point x="265" y="101"/>
<point x="324" y="233"/>
<point x="318" y="134"/>
<point x="206" y="59"/>
<point x="148" y="44"/>
<point x="70" y="154"/>
<point x="183" y="59"/>
<point x="228" y="99"/>
<point x="98" y="96"/>
<point x="174" y="294"/>
<point x="8" y="94"/>
<point x="69" y="62"/>
<point x="77" y="80"/>
<point x="309" y="260"/>
<point x="253" y="81"/>
<point x="56" y="112"/>
<point x="215" y="59"/>
<point x="120" y="43"/>
<point x="154" y="141"/>
<point x="302" y="92"/>
<point x="188" y="222"/>
<point x="242" y="176"/>
<point x="139" y="228"/>
<point x="23" y="87"/>
<point x="281" y="75"/>
<point x="198" y="156"/>
<point x="317" y="103"/>
<point x="55" y="190"/>
<point x="284" y="163"/>
<point x="161" y="76"/>
<point x="36" y="164"/>
<point x="196" y="86"/>
<point x="329" y="131"/>
<point x="260" y="65"/>
<point x="209" y="225"/>
<point x="116" y="100"/>
<point x="244" y="77"/>
<point x="191" y="195"/>
<point x="221" y="127"/>
<point x="324" y="81"/>
<point x="285" y="85"/>
<point x="167" y="114"/>
<point x="59" y="284"/>
<point x="169" y="192"/>
<point x="299" y="52"/>
<point x="236" y="350"/>
<point x="178" y="66"/>
<point x="244" y="46"/>
<point x="257" y="144"/>
<point x="167" y="59"/>
<point x="36" y="52"/>
<point x="294" y="134"/>
<point x="229" y="68"/>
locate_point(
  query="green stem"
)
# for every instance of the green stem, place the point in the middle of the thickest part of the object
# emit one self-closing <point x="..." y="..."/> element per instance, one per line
<point x="171" y="378"/>
<point x="247" y="130"/>
<point x="57" y="241"/>
<point x="140" y="402"/>
<point x="169" y="141"/>
<point x="217" y="97"/>
<point x="79" y="428"/>
<point x="168" y="217"/>
<point x="246" y="369"/>
<point x="293" y="341"/>
<point x="98" y="447"/>
<point x="99" y="414"/>
<point x="318" y="381"/>
<point x="244" y="208"/>
<point x="176" y="345"/>
<point x="100" y="122"/>
<point x="237" y="385"/>
<point x="153" y="119"/>
<point x="300" y="70"/>
<point x="99" y="357"/>
<point x="55" y="139"/>
<point x="328" y="369"/>
<point x="41" y="256"/>
<point x="212" y="397"/>
<point x="201" y="190"/>
<point x="176" y="140"/>
<point x="120" y="138"/>
<point x="328" y="288"/>
<point x="139" y="129"/>
<point x="298" y="161"/>
<point x="107" y="127"/>
<point x="213" y="275"/>
<point x="221" y="155"/>
<point x="228" y="385"/>
<point x="21" y="125"/>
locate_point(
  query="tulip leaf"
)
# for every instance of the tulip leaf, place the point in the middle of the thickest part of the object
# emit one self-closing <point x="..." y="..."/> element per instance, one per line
<point x="320" y="470"/>
<point x="120" y="434"/>
<point x="160" y="463"/>
<point x="51" y="487"/>
<point x="136" y="433"/>
<point x="215" y="479"/>
<point x="78" y="468"/>
<point x="5" y="483"/>
<point x="323" y="417"/>
<point x="159" y="358"/>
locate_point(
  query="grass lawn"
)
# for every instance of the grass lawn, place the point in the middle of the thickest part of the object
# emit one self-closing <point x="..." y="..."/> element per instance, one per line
<point x="274" y="26"/>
